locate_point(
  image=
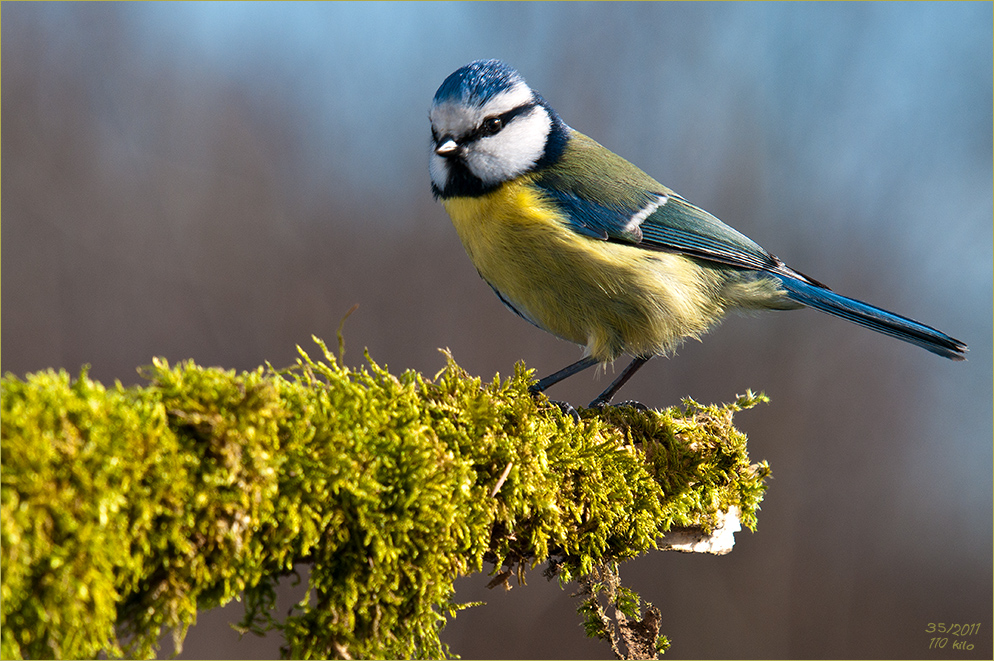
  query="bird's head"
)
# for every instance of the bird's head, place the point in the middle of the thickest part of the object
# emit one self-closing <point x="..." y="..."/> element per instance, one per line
<point x="488" y="127"/>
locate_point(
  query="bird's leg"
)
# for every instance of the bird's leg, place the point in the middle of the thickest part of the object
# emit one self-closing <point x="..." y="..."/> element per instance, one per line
<point x="552" y="379"/>
<point x="605" y="397"/>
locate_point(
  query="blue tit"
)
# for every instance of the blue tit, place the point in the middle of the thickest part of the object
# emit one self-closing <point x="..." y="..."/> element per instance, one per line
<point x="583" y="244"/>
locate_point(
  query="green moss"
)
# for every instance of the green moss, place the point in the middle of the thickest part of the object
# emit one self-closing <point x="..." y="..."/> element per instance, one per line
<point x="127" y="510"/>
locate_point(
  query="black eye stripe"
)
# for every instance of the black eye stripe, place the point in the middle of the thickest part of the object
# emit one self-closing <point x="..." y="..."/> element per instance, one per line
<point x="505" y="118"/>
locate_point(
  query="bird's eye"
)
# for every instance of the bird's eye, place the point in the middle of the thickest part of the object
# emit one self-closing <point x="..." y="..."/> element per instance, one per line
<point x="491" y="125"/>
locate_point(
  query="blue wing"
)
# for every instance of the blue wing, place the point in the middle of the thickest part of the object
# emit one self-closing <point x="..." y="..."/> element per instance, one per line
<point x="682" y="227"/>
<point x="655" y="219"/>
<point x="611" y="220"/>
<point x="605" y="197"/>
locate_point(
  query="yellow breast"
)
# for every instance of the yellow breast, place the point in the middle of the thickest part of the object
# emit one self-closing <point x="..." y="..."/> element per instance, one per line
<point x="612" y="297"/>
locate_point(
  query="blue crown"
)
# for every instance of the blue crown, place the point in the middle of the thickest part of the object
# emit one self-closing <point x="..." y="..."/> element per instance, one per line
<point x="478" y="82"/>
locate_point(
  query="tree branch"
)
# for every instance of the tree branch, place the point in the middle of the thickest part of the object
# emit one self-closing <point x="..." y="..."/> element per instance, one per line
<point x="127" y="510"/>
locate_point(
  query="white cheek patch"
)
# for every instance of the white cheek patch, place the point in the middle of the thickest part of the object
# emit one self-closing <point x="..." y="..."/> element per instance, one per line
<point x="514" y="150"/>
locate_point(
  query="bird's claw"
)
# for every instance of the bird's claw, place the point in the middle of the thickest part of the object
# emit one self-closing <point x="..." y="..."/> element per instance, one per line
<point x="598" y="403"/>
<point x="567" y="409"/>
<point x="638" y="406"/>
<point x="535" y="390"/>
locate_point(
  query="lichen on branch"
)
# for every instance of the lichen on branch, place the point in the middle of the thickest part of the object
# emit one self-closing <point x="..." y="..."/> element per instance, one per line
<point x="125" y="511"/>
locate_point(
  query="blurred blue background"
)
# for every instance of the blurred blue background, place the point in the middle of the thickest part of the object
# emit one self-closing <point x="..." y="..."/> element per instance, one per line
<point x="221" y="181"/>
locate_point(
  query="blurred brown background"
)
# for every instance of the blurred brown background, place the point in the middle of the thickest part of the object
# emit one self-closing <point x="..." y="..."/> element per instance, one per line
<point x="219" y="182"/>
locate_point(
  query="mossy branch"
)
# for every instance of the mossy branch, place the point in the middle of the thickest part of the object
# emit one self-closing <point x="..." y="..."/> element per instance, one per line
<point x="127" y="510"/>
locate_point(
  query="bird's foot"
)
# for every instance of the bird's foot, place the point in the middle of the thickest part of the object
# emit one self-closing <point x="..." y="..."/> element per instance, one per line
<point x="599" y="404"/>
<point x="567" y="409"/>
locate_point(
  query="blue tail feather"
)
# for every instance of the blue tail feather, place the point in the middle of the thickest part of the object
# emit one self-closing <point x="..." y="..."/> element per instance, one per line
<point x="874" y="318"/>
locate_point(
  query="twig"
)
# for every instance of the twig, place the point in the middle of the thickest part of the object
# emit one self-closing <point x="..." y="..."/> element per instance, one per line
<point x="500" y="481"/>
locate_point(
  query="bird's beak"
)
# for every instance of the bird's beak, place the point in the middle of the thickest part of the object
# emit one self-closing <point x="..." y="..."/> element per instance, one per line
<point x="447" y="147"/>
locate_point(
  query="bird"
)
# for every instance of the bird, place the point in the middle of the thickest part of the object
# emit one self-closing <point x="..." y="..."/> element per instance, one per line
<point x="585" y="245"/>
